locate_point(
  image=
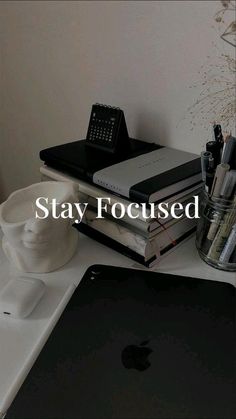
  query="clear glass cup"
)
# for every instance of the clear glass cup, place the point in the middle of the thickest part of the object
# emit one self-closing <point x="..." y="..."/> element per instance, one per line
<point x="216" y="232"/>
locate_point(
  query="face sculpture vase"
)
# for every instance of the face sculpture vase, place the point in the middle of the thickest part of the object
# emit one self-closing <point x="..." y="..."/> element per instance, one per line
<point x="32" y="244"/>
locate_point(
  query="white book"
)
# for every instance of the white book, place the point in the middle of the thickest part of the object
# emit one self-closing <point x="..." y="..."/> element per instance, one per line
<point x="151" y="176"/>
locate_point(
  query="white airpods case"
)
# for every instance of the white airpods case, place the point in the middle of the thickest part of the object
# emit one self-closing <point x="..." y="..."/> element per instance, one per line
<point x="20" y="296"/>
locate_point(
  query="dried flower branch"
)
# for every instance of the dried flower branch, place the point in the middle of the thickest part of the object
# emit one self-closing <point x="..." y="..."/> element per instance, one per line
<point x="217" y="100"/>
<point x="228" y="5"/>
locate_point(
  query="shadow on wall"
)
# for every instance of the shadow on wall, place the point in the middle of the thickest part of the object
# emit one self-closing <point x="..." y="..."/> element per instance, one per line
<point x="152" y="127"/>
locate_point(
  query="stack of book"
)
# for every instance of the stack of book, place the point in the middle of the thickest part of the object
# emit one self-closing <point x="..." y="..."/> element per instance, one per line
<point x="143" y="239"/>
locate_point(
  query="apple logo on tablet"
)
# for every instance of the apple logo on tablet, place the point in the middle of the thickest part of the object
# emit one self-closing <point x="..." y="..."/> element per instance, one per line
<point x="136" y="356"/>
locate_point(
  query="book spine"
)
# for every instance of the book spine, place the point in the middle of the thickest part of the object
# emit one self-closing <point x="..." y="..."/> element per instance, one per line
<point x="53" y="162"/>
<point x="136" y="223"/>
<point x="145" y="225"/>
<point x="124" y="250"/>
<point x="144" y="246"/>
<point x="135" y="226"/>
<point x="117" y="232"/>
<point x="111" y="243"/>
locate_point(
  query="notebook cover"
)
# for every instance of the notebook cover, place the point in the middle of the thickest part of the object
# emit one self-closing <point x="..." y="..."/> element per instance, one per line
<point x="82" y="161"/>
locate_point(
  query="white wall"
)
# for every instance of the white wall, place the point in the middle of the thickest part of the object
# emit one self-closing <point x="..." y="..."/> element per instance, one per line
<point x="60" y="57"/>
<point x="1" y="119"/>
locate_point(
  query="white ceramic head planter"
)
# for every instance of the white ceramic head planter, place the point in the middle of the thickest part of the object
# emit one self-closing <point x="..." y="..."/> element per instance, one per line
<point x="32" y="244"/>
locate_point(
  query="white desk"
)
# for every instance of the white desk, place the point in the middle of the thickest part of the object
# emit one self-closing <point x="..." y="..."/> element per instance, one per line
<point x="22" y="340"/>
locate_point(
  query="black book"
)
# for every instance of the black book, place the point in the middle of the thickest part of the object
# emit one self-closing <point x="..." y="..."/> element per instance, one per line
<point x="146" y="172"/>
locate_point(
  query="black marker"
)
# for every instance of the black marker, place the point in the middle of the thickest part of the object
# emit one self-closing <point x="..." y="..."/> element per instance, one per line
<point x="215" y="149"/>
<point x="218" y="133"/>
<point x="210" y="173"/>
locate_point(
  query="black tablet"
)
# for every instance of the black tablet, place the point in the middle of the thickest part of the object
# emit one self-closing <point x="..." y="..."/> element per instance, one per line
<point x="137" y="344"/>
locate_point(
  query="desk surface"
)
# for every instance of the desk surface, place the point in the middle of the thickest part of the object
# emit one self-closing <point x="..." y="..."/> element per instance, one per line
<point x="22" y="340"/>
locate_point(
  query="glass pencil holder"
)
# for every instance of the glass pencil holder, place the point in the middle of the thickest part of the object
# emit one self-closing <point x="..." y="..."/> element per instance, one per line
<point x="216" y="232"/>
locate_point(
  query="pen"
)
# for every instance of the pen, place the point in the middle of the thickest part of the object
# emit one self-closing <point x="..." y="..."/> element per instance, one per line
<point x="229" y="246"/>
<point x="222" y="234"/>
<point x="205" y="155"/>
<point x="217" y="216"/>
<point x="233" y="256"/>
<point x="210" y="175"/>
<point x="226" y="139"/>
<point x="227" y="189"/>
<point x="229" y="185"/>
<point x="218" y="180"/>
<point x="229" y="153"/>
